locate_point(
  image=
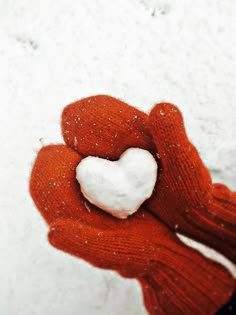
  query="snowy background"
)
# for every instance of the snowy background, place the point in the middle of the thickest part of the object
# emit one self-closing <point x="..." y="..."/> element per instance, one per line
<point x="54" y="52"/>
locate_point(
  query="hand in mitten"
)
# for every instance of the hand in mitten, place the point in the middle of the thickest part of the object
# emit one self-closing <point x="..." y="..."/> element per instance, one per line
<point x="174" y="278"/>
<point x="185" y="198"/>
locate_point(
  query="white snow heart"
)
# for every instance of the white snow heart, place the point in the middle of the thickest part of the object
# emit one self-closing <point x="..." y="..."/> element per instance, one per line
<point x="118" y="187"/>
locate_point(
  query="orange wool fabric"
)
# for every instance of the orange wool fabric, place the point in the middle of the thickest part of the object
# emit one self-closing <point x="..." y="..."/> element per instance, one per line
<point x="185" y="198"/>
<point x="175" y="279"/>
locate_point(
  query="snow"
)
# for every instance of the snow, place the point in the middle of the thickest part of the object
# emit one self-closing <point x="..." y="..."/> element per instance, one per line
<point x="118" y="187"/>
<point x="54" y="52"/>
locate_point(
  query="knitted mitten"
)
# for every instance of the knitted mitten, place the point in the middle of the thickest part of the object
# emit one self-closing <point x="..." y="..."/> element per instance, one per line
<point x="174" y="278"/>
<point x="185" y="198"/>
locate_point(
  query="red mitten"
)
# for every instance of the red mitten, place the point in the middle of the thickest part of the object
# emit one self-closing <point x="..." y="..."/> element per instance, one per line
<point x="185" y="198"/>
<point x="175" y="279"/>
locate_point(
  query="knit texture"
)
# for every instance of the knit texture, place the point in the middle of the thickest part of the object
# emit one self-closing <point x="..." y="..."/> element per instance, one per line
<point x="185" y="197"/>
<point x="175" y="279"/>
<point x="105" y="127"/>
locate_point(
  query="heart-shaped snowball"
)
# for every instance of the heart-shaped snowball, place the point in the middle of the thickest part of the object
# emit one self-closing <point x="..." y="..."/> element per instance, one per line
<point x="118" y="187"/>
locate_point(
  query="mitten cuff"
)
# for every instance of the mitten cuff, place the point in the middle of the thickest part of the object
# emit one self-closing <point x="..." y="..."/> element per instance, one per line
<point x="182" y="284"/>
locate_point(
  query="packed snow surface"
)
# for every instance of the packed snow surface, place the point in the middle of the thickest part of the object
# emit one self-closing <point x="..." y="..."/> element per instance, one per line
<point x="118" y="187"/>
<point x="141" y="51"/>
